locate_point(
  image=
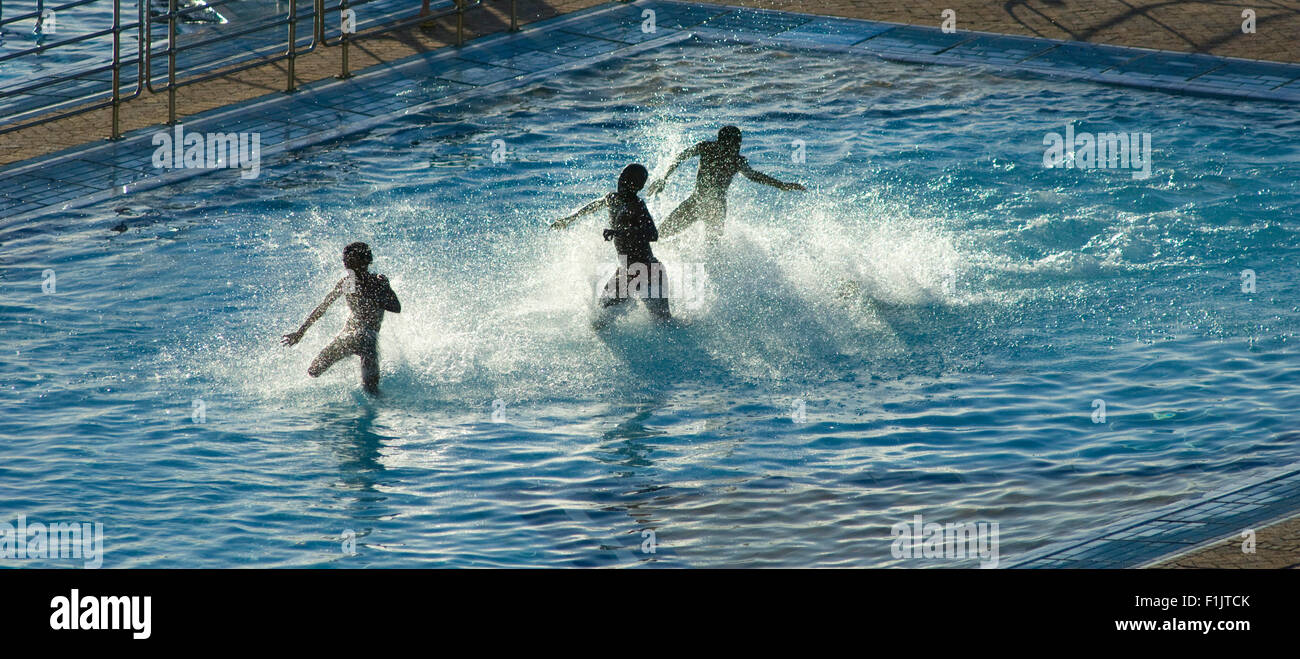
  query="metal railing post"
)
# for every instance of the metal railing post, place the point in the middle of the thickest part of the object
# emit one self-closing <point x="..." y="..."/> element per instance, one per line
<point x="39" y="30"/>
<point x="117" y="69"/>
<point x="343" y="7"/>
<point x="460" y="23"/>
<point x="171" y="62"/>
<point x="318" y="25"/>
<point x="514" y="17"/>
<point x="293" y="43"/>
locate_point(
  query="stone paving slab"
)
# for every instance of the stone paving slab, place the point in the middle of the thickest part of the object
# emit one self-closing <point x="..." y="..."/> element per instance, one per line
<point x="999" y="50"/>
<point x="1241" y="74"/>
<point x="824" y="32"/>
<point x="681" y="16"/>
<point x="1082" y="59"/>
<point x="468" y="72"/>
<point x="525" y="60"/>
<point x="755" y="21"/>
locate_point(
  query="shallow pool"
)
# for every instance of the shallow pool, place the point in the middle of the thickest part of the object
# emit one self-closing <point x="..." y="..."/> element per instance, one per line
<point x="925" y="332"/>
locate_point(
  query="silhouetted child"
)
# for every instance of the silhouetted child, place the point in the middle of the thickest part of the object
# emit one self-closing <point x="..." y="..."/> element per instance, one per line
<point x="720" y="161"/>
<point x="368" y="296"/>
<point x="640" y="275"/>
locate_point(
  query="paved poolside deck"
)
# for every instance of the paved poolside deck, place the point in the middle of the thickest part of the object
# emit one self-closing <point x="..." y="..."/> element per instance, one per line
<point x="1277" y="547"/>
<point x="413" y="70"/>
<point x="1205" y="532"/>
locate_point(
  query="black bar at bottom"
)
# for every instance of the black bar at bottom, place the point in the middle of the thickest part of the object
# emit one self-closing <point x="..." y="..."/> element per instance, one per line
<point x="935" y="608"/>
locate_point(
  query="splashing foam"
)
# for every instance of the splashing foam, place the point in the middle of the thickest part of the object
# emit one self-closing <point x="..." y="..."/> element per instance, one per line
<point x="788" y="296"/>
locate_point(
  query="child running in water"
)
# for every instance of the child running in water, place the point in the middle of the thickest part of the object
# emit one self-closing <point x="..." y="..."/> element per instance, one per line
<point x="368" y="296"/>
<point x="640" y="275"/>
<point x="720" y="161"/>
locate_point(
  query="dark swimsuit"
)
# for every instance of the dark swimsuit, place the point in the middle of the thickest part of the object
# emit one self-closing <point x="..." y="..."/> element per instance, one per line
<point x="637" y="263"/>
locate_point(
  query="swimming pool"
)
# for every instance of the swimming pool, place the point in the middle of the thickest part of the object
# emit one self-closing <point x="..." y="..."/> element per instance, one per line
<point x="946" y="309"/>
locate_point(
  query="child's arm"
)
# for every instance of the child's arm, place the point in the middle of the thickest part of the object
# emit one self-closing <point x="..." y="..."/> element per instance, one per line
<point x="658" y="185"/>
<point x="391" y="303"/>
<point x="589" y="208"/>
<point x="295" y="337"/>
<point x="759" y="177"/>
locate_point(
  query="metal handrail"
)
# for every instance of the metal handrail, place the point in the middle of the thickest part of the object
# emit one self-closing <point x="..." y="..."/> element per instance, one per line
<point x="116" y="100"/>
<point x="291" y="52"/>
<point x="40" y="9"/>
<point x="39" y="48"/>
<point x="80" y="73"/>
<point x="346" y="38"/>
<point x="145" y="52"/>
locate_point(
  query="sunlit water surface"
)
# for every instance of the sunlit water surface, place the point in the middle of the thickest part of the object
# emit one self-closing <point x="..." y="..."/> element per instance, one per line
<point x="947" y="310"/>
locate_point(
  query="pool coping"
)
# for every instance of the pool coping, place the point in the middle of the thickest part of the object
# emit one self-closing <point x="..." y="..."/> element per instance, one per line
<point x="1185" y="85"/>
<point x="475" y="70"/>
<point x="1179" y="528"/>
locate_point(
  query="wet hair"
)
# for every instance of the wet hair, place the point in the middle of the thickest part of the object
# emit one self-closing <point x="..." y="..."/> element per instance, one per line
<point x="633" y="178"/>
<point x="729" y="134"/>
<point x="357" y="256"/>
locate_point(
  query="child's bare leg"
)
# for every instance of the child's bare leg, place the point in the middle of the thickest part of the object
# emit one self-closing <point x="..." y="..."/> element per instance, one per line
<point x="657" y="301"/>
<point x="370" y="371"/>
<point x="336" y="350"/>
<point x="682" y="217"/>
<point x="610" y="309"/>
<point x="713" y="224"/>
<point x="658" y="308"/>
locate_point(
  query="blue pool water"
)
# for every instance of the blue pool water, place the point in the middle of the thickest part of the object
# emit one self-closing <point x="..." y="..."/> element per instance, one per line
<point x="946" y="308"/>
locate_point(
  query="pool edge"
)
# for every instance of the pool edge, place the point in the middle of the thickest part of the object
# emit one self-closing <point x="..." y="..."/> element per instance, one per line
<point x="1178" y="529"/>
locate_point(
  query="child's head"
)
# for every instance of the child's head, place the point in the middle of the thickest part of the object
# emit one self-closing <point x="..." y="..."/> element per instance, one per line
<point x="729" y="136"/>
<point x="633" y="178"/>
<point x="357" y="257"/>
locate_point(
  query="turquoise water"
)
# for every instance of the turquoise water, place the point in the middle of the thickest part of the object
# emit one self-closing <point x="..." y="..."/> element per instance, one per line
<point x="946" y="309"/>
